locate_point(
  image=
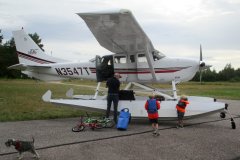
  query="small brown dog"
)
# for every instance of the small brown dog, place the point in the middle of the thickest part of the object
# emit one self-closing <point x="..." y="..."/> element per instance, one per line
<point x="22" y="146"/>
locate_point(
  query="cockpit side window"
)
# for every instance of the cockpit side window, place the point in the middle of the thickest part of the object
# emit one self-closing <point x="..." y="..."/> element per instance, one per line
<point x="157" y="55"/>
<point x="132" y="58"/>
<point x="142" y="58"/>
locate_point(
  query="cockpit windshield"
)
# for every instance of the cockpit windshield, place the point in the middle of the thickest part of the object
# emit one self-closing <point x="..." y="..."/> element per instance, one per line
<point x="157" y="55"/>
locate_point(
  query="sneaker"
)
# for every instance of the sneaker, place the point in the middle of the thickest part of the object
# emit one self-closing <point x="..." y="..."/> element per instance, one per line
<point x="156" y="134"/>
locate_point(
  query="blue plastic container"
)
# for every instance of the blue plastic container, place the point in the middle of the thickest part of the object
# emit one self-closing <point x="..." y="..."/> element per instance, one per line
<point x="123" y="120"/>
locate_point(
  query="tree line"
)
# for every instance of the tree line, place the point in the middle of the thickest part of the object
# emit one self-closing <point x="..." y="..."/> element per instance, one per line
<point x="9" y="57"/>
<point x="228" y="73"/>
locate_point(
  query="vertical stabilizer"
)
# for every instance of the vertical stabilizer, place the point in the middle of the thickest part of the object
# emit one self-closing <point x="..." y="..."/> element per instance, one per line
<point x="29" y="52"/>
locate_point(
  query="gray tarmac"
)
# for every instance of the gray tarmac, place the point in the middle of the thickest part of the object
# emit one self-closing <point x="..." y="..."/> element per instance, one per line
<point x="201" y="138"/>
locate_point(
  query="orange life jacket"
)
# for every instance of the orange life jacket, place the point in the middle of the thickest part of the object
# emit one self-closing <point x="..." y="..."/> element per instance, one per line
<point x="182" y="104"/>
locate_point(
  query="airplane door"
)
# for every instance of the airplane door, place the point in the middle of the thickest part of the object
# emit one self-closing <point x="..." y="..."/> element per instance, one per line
<point x="98" y="68"/>
<point x="104" y="67"/>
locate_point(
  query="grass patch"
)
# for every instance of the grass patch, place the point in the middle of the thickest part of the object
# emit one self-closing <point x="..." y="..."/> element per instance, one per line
<point x="21" y="99"/>
<point x="219" y="90"/>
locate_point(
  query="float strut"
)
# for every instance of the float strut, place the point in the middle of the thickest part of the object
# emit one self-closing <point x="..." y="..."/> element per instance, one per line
<point x="97" y="90"/>
<point x="232" y="120"/>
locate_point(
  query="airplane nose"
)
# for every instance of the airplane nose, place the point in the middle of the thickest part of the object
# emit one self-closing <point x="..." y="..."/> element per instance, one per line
<point x="202" y="64"/>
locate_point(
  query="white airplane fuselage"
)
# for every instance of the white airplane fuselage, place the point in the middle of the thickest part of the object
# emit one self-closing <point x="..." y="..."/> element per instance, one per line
<point x="166" y="69"/>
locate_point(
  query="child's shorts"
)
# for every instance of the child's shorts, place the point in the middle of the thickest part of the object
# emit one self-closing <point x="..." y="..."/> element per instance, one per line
<point x="153" y="120"/>
<point x="180" y="115"/>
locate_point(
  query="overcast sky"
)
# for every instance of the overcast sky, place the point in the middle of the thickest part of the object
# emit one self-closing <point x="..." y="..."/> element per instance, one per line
<point x="175" y="27"/>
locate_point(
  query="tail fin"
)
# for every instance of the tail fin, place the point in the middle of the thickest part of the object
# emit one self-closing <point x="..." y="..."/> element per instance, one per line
<point x="29" y="52"/>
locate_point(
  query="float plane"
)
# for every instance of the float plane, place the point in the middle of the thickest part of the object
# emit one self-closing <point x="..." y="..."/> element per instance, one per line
<point x="134" y="58"/>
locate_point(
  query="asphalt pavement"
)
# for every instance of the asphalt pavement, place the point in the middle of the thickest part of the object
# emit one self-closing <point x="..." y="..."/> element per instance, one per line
<point x="203" y="138"/>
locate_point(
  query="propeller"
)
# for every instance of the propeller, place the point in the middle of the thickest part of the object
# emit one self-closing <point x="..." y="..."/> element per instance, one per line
<point x="202" y="65"/>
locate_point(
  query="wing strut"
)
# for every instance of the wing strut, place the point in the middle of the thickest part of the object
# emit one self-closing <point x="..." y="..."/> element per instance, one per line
<point x="149" y="59"/>
<point x="147" y="88"/>
<point x="97" y="90"/>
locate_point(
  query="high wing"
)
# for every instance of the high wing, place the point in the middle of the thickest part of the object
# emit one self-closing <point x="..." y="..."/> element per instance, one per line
<point x="119" y="32"/>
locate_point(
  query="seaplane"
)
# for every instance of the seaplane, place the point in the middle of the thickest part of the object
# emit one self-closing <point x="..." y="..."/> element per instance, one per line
<point x="134" y="58"/>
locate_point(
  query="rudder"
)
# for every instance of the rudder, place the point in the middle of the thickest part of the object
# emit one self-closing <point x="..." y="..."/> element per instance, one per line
<point x="29" y="52"/>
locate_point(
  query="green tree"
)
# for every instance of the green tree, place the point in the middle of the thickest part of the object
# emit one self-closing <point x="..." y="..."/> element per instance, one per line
<point x="196" y="77"/>
<point x="237" y="75"/>
<point x="10" y="43"/>
<point x="1" y="37"/>
<point x="8" y="57"/>
<point x="227" y="73"/>
<point x="237" y="72"/>
<point x="37" y="40"/>
<point x="209" y="76"/>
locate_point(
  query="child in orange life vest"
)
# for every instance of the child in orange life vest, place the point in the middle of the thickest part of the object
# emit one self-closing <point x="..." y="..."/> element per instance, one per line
<point x="181" y="105"/>
<point x="152" y="106"/>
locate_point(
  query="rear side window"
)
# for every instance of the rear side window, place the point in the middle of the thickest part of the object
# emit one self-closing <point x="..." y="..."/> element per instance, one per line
<point x="120" y="59"/>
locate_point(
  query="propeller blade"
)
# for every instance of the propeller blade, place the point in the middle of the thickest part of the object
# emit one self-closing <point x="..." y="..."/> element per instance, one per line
<point x="201" y="53"/>
<point x="201" y="63"/>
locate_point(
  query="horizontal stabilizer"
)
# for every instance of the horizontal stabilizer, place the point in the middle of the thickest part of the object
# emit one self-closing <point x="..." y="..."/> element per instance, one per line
<point x="18" y="67"/>
<point x="24" y="67"/>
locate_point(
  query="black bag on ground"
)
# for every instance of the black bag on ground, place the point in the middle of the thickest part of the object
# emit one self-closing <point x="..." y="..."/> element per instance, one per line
<point x="126" y="95"/>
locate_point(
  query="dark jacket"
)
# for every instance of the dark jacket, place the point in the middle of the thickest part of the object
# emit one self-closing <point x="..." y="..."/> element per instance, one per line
<point x="113" y="85"/>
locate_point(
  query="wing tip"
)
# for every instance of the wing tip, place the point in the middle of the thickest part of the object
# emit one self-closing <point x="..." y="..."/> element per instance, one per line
<point x="121" y="11"/>
<point x="47" y="96"/>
